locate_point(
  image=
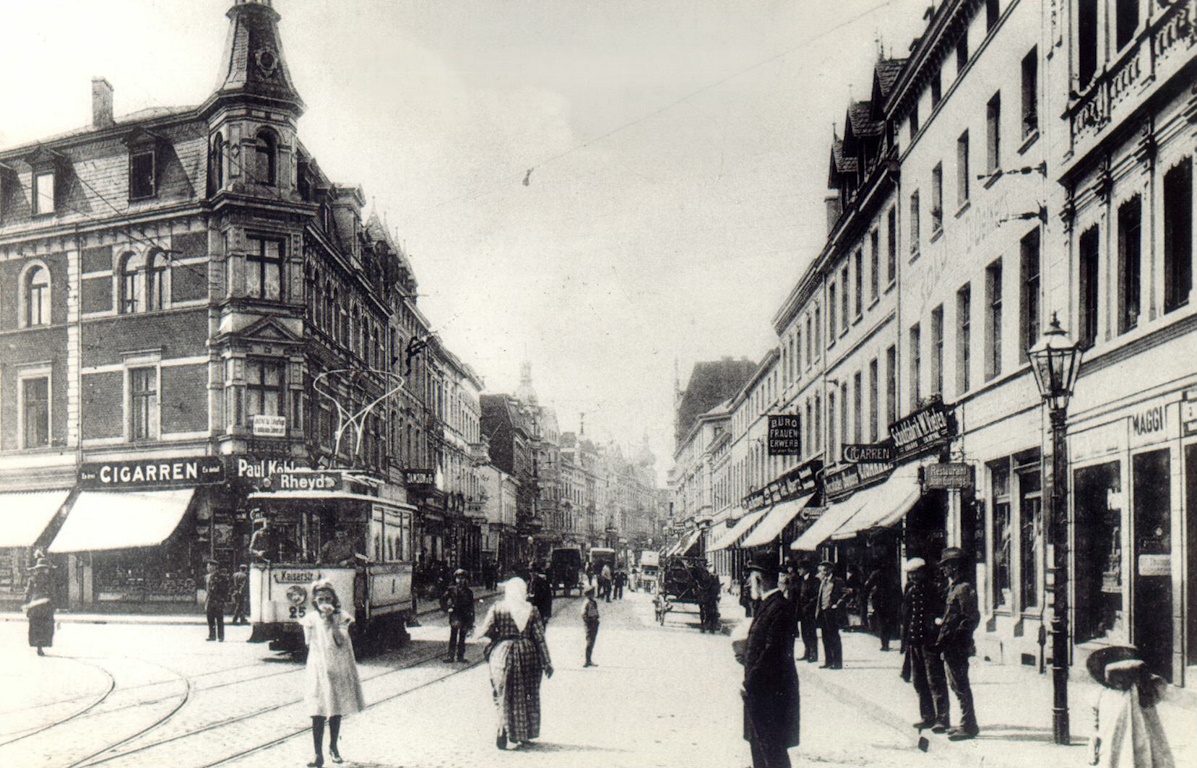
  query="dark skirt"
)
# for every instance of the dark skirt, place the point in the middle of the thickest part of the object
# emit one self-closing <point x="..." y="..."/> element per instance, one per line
<point x="41" y="627"/>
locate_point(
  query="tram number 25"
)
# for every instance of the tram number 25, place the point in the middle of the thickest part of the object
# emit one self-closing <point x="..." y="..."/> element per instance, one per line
<point x="297" y="612"/>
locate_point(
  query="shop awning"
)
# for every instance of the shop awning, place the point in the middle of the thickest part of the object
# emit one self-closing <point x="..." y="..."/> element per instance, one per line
<point x="683" y="545"/>
<point x="738" y="531"/>
<point x="775" y="521"/>
<point x="102" y="520"/>
<point x="883" y="505"/>
<point x="828" y="523"/>
<point x="24" y="516"/>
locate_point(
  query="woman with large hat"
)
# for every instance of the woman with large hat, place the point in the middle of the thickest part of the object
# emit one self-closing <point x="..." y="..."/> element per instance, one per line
<point x="39" y="606"/>
<point x="1126" y="727"/>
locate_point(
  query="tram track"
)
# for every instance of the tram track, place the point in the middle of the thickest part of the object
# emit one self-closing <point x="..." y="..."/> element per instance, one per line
<point x="101" y="757"/>
<point x="96" y="701"/>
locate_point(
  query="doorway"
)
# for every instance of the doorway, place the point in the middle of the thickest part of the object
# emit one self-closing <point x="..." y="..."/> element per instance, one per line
<point x="1098" y="557"/>
<point x="1152" y="603"/>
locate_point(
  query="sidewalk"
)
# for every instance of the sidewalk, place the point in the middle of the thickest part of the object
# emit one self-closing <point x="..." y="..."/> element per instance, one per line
<point x="1014" y="708"/>
<point x="423" y="608"/>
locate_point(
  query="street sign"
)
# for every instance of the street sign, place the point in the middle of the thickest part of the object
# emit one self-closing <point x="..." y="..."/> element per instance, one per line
<point x="952" y="477"/>
<point x="858" y="453"/>
<point x="785" y="435"/>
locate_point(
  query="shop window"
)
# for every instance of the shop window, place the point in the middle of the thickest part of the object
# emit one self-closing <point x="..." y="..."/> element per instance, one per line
<point x="1098" y="558"/>
<point x="1088" y="287"/>
<point x="993" y="132"/>
<point x="44" y="193"/>
<point x="937" y="350"/>
<point x="916" y="366"/>
<point x="35" y="296"/>
<point x="35" y="411"/>
<point x="1001" y="538"/>
<point x="1151" y="602"/>
<point x="1178" y="235"/>
<point x="1086" y="41"/>
<point x="936" y="199"/>
<point x="1129" y="264"/>
<point x="264" y="268"/>
<point x="1030" y="534"/>
<point x="143" y="403"/>
<point x="964" y="340"/>
<point x="1030" y="93"/>
<point x="1126" y="21"/>
<point x="962" y="178"/>
<point x="142" y="176"/>
<point x="993" y="320"/>
<point x="264" y="389"/>
<point x="1029" y="320"/>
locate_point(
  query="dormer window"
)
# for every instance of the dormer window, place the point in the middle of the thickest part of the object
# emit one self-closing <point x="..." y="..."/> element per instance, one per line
<point x="43" y="192"/>
<point x="142" y="179"/>
<point x="266" y="158"/>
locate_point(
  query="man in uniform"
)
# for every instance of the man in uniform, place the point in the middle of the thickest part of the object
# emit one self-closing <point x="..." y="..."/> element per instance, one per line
<point x="832" y="593"/>
<point x="458" y="602"/>
<point x="771" y="696"/>
<point x="338" y="550"/>
<point x="216" y="586"/>
<point x="960" y="617"/>
<point x="921" y="607"/>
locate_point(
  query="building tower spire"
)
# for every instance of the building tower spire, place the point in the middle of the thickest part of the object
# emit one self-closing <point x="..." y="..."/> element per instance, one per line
<point x="253" y="67"/>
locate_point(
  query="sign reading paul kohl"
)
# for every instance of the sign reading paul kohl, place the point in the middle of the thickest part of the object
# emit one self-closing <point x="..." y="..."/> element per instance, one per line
<point x="152" y="473"/>
<point x="924" y="430"/>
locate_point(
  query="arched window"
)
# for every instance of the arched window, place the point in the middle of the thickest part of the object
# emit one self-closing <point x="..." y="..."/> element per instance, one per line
<point x="267" y="158"/>
<point x="216" y="165"/>
<point x="35" y="289"/>
<point x="155" y="269"/>
<point x="133" y="290"/>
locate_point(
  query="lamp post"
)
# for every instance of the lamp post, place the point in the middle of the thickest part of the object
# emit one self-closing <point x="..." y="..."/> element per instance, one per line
<point x="1055" y="361"/>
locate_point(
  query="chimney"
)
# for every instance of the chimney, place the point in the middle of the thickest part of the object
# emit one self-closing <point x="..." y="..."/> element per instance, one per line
<point x="101" y="103"/>
<point x="835" y="208"/>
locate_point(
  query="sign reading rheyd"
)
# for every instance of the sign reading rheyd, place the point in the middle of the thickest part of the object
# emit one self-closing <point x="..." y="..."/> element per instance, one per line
<point x="925" y="429"/>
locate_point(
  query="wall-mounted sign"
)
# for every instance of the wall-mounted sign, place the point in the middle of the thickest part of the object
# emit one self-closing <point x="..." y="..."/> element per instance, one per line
<point x="785" y="435"/>
<point x="798" y="481"/>
<point x="1152" y="422"/>
<point x="146" y="473"/>
<point x="924" y="430"/>
<point x="871" y="453"/>
<point x="952" y="477"/>
<point x="269" y="426"/>
<point x="419" y="477"/>
<point x="853" y="477"/>
<point x="1155" y="565"/>
<point x="257" y="470"/>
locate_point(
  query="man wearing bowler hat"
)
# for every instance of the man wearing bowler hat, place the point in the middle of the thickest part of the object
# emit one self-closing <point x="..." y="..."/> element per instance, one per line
<point x="955" y="641"/>
<point x="832" y="593"/>
<point x="771" y="700"/>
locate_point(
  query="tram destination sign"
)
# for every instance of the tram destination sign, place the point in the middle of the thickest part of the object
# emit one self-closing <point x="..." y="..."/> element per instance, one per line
<point x="785" y="435"/>
<point x="922" y="431"/>
<point x="305" y="481"/>
<point x="151" y="473"/>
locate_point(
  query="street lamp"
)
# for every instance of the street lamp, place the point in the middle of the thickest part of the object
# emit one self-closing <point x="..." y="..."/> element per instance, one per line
<point x="1056" y="360"/>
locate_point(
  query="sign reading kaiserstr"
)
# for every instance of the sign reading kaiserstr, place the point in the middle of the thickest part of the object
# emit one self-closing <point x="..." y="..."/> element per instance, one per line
<point x="799" y="481"/>
<point x="923" y="430"/>
<point x="145" y="473"/>
<point x="785" y="435"/>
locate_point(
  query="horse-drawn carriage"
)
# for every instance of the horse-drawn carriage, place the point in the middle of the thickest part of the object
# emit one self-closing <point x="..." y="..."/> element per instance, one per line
<point x="684" y="581"/>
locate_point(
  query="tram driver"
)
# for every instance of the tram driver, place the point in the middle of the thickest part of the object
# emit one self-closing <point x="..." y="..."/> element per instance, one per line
<point x="338" y="550"/>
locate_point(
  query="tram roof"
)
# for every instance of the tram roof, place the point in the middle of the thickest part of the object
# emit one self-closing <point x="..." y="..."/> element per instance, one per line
<point x="327" y="496"/>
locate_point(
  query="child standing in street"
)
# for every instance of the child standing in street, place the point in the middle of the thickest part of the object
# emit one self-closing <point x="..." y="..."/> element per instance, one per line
<point x="333" y="688"/>
<point x="590" y="617"/>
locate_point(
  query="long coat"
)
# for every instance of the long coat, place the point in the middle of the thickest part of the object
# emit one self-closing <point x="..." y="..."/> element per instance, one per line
<point x="39" y="590"/>
<point x="771" y="698"/>
<point x="960" y="618"/>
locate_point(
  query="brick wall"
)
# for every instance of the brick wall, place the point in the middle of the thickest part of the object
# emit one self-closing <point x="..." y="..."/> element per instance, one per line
<point x="103" y="404"/>
<point x="185" y="398"/>
<point x="30" y="347"/>
<point x="10" y="289"/>
<point x="181" y="333"/>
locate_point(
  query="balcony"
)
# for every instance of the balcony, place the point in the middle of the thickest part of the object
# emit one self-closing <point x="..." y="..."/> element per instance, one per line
<point x="1161" y="51"/>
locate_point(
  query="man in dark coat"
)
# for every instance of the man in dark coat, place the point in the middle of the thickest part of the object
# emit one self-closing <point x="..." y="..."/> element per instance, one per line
<point x="923" y="667"/>
<point x="960" y="617"/>
<point x="540" y="591"/>
<point x="771" y="697"/>
<point x="216" y="584"/>
<point x="808" y="597"/>
<point x="458" y="602"/>
<point x="829" y="604"/>
<point x="241" y="595"/>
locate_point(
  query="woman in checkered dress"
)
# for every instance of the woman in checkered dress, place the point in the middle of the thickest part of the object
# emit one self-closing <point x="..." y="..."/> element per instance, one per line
<point x="517" y="656"/>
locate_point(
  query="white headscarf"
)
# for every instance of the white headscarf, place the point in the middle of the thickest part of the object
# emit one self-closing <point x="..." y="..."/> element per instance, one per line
<point x="515" y="600"/>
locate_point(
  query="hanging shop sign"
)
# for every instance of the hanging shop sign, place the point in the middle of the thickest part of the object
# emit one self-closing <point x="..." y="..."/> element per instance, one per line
<point x="150" y="473"/>
<point x="867" y="453"/>
<point x="419" y="478"/>
<point x="785" y="435"/>
<point x="924" y="430"/>
<point x="799" y="481"/>
<point x="947" y="477"/>
<point x="853" y="477"/>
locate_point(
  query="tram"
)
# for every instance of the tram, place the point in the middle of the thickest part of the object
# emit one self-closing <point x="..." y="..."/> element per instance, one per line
<point x="296" y="543"/>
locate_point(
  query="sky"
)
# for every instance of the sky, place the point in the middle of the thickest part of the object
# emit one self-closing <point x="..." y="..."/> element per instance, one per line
<point x="678" y="153"/>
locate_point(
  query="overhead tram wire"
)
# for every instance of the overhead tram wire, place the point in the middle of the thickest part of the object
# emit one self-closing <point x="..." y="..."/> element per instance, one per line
<point x="665" y="108"/>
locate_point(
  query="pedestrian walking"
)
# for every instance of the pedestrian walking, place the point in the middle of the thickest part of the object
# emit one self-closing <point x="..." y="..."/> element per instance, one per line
<point x="458" y="602"/>
<point x="516" y="656"/>
<point x="828" y="612"/>
<point x="1127" y="732"/>
<point x="333" y="688"/>
<point x="923" y="666"/>
<point x="241" y="595"/>
<point x="770" y="692"/>
<point x="590" y="618"/>
<point x="39" y="605"/>
<point x="710" y="596"/>
<point x="216" y="588"/>
<point x="540" y="591"/>
<point x="808" y="599"/>
<point x="755" y="592"/>
<point x="883" y="598"/>
<point x="960" y="617"/>
<point x="620" y="579"/>
<point x="605" y="582"/>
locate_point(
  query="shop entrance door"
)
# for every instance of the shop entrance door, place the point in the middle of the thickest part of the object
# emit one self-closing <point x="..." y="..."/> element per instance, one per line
<point x="1152" y="604"/>
<point x="1098" y="557"/>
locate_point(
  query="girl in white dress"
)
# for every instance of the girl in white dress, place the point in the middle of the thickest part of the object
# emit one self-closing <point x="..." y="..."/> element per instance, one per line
<point x="332" y="685"/>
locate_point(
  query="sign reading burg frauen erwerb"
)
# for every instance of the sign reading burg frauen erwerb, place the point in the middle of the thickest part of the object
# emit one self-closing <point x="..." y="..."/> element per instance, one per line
<point x="785" y="435"/>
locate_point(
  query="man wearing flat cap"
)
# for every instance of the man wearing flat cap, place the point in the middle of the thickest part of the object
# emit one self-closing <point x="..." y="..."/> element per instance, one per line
<point x="923" y="666"/>
<point x="955" y="641"/>
<point x="458" y="602"/>
<point x="771" y="700"/>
